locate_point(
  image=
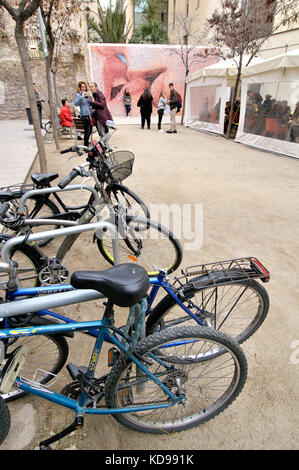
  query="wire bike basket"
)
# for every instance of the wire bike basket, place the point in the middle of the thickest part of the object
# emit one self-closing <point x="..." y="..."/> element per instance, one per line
<point x="120" y="165"/>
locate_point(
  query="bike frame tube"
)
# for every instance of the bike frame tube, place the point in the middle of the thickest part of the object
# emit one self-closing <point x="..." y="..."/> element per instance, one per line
<point x="57" y="398"/>
<point x="55" y="189"/>
<point x="96" y="226"/>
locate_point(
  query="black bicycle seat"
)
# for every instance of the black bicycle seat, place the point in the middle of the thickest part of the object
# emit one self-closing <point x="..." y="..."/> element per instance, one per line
<point x="42" y="179"/>
<point x="124" y="284"/>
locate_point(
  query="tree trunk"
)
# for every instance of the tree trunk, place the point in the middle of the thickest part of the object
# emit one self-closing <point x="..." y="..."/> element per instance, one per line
<point x="51" y="104"/>
<point x="184" y="101"/>
<point x="229" y="127"/>
<point x="21" y="42"/>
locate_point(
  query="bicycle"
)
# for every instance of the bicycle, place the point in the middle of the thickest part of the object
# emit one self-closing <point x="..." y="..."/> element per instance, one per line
<point x="141" y="238"/>
<point x="111" y="168"/>
<point x="156" y="373"/>
<point x="235" y="275"/>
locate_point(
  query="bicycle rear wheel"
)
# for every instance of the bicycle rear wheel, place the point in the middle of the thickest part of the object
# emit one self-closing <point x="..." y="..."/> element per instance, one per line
<point x="46" y="352"/>
<point x="42" y="209"/>
<point x="146" y="242"/>
<point x="236" y="308"/>
<point x="208" y="365"/>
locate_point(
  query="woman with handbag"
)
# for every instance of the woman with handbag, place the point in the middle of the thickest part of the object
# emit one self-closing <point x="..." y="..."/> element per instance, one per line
<point x="83" y="100"/>
<point x="102" y="113"/>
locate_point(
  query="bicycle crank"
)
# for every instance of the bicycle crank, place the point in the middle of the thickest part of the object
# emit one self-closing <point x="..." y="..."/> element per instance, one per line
<point x="53" y="273"/>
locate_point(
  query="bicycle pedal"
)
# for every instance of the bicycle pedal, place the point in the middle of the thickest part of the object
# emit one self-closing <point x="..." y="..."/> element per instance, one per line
<point x="12" y="368"/>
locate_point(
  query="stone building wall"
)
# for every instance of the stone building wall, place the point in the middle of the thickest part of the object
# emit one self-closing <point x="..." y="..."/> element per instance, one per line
<point x="72" y="67"/>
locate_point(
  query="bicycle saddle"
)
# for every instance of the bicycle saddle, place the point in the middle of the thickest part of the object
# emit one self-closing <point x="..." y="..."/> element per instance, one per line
<point x="42" y="179"/>
<point x="124" y="284"/>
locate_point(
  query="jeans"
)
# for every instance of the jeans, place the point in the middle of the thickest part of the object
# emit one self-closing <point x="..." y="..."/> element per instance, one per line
<point x="128" y="108"/>
<point x="87" y="129"/>
<point x="160" y="116"/>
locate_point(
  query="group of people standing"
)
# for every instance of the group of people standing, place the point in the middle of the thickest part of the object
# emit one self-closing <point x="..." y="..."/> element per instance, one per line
<point x="93" y="109"/>
<point x="145" y="103"/>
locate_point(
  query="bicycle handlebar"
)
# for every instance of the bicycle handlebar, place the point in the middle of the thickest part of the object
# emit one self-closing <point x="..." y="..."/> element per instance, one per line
<point x="68" y="178"/>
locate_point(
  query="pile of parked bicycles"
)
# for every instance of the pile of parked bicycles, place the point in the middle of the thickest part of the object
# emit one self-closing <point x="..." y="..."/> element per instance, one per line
<point x="176" y="363"/>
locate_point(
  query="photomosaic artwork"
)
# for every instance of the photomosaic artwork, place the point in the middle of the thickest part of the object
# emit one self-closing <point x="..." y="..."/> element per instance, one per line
<point x="138" y="66"/>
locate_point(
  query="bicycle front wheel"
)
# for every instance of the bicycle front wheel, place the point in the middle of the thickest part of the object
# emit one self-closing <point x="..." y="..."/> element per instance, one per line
<point x="208" y="367"/>
<point x="123" y="198"/>
<point x="146" y="242"/>
<point x="46" y="352"/>
<point x="235" y="308"/>
<point x="29" y="264"/>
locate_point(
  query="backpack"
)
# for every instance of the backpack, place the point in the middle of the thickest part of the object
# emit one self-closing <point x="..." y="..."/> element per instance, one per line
<point x="179" y="104"/>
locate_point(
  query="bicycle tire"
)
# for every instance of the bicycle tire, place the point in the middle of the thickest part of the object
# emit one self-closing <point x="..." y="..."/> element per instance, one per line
<point x="144" y="246"/>
<point x="119" y="191"/>
<point x="47" y="352"/>
<point x="235" y="308"/>
<point x="48" y="127"/>
<point x="29" y="263"/>
<point x="4" y="420"/>
<point x="188" y="359"/>
<point x="38" y="214"/>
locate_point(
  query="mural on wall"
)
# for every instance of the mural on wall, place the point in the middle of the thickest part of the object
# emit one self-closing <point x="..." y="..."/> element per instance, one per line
<point x="136" y="67"/>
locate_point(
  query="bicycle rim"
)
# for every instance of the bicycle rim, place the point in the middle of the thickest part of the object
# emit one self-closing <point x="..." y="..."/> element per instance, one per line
<point x="187" y="357"/>
<point x="148" y="243"/>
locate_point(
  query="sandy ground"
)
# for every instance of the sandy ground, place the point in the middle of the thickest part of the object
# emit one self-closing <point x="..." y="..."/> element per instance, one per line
<point x="250" y="208"/>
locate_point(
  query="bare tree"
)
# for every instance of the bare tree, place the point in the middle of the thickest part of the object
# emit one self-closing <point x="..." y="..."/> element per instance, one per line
<point x="56" y="15"/>
<point x="189" y="39"/>
<point x="240" y="28"/>
<point x="20" y="14"/>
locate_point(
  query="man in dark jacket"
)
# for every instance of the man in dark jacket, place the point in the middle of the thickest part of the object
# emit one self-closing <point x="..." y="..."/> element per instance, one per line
<point x="102" y="113"/>
<point x="173" y="103"/>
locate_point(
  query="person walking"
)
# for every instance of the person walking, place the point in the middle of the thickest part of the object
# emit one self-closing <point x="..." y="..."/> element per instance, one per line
<point x="173" y="104"/>
<point x="161" y="108"/>
<point x="146" y="107"/>
<point x="102" y="113"/>
<point x="83" y="100"/>
<point x="127" y="101"/>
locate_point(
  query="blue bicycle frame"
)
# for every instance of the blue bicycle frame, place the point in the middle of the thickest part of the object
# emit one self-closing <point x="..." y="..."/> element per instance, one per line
<point x="79" y="406"/>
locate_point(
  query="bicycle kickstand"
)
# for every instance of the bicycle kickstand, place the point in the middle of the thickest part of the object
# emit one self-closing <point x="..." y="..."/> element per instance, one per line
<point x="77" y="424"/>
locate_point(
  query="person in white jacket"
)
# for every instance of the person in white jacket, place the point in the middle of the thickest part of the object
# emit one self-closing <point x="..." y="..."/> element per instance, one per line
<point x="161" y="108"/>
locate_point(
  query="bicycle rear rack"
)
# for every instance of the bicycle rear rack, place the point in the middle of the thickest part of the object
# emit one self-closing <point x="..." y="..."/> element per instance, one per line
<point x="234" y="270"/>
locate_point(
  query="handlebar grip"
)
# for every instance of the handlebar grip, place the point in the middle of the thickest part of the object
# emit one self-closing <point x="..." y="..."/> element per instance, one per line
<point x="70" y="149"/>
<point x="67" y="179"/>
<point x="3" y="209"/>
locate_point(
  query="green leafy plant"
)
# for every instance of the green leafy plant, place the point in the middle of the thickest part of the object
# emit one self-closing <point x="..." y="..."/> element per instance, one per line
<point x="110" y="25"/>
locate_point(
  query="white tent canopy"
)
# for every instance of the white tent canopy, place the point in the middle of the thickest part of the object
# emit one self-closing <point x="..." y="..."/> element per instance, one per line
<point x="270" y="92"/>
<point x="207" y="92"/>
